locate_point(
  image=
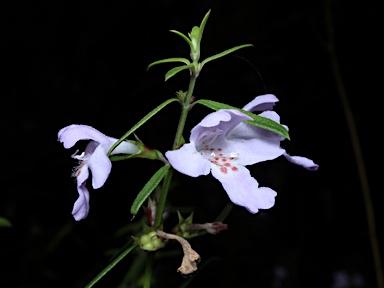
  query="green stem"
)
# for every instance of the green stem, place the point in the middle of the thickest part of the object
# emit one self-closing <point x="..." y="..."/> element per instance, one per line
<point x="168" y="177"/>
<point x="184" y="113"/>
<point x="356" y="148"/>
<point x="176" y="145"/>
<point x="148" y="270"/>
<point x="163" y="198"/>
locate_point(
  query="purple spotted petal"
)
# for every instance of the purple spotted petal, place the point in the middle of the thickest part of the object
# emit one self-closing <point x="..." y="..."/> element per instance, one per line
<point x="244" y="190"/>
<point x="223" y="144"/>
<point x="255" y="150"/>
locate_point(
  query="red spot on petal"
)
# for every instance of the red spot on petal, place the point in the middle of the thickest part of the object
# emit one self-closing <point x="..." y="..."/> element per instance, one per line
<point x="227" y="164"/>
<point x="219" y="149"/>
<point x="221" y="154"/>
<point x="224" y="170"/>
<point x="217" y="158"/>
<point x="212" y="149"/>
<point x="232" y="158"/>
<point x="234" y="168"/>
<point x="224" y="159"/>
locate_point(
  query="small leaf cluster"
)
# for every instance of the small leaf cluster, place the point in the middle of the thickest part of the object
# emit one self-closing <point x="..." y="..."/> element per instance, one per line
<point x="193" y="40"/>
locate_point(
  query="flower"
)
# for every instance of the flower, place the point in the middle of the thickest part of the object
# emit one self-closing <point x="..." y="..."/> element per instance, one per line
<point x="223" y="145"/>
<point x="93" y="158"/>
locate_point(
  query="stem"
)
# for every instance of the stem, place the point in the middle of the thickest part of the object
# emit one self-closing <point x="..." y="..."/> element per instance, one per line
<point x="184" y="113"/>
<point x="168" y="176"/>
<point x="176" y="145"/>
<point x="356" y="148"/>
<point x="163" y="198"/>
<point x="148" y="270"/>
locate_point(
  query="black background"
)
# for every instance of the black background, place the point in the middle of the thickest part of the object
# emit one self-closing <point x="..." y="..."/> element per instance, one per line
<point x="84" y="62"/>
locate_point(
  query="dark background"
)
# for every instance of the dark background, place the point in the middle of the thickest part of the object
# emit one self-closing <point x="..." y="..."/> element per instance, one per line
<point x="84" y="62"/>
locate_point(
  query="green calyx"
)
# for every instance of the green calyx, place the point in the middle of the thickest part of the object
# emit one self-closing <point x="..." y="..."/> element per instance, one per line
<point x="181" y="229"/>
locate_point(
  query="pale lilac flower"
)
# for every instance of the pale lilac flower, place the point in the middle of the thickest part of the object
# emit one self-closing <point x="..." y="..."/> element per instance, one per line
<point x="93" y="158"/>
<point x="223" y="145"/>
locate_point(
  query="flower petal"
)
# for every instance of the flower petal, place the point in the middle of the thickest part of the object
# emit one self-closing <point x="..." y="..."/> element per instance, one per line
<point x="100" y="166"/>
<point x="244" y="190"/>
<point x="224" y="120"/>
<point x="71" y="134"/>
<point x="302" y="161"/>
<point x="248" y="131"/>
<point x="123" y="148"/>
<point x="255" y="150"/>
<point x="81" y="207"/>
<point x="261" y="103"/>
<point x="188" y="161"/>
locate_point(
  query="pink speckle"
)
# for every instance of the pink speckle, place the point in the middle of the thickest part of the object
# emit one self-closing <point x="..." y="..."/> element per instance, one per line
<point x="234" y="168"/>
<point x="224" y="170"/>
<point x="227" y="164"/>
<point x="219" y="149"/>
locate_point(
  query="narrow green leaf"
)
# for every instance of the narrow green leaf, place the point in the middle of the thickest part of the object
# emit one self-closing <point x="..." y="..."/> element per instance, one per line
<point x="182" y="36"/>
<point x="4" y="222"/>
<point x="176" y="70"/>
<point x="202" y="25"/>
<point x="169" y="60"/>
<point x="111" y="265"/>
<point x="148" y="188"/>
<point x="226" y="52"/>
<point x="141" y="122"/>
<point x="259" y="121"/>
<point x="224" y="213"/>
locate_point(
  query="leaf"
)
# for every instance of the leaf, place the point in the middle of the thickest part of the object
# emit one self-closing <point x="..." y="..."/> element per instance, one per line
<point x="148" y="188"/>
<point x="226" y="52"/>
<point x="176" y="70"/>
<point x="259" y="121"/>
<point x="169" y="60"/>
<point x="111" y="265"/>
<point x="224" y="213"/>
<point x="202" y="25"/>
<point x="141" y="122"/>
<point x="182" y="36"/>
